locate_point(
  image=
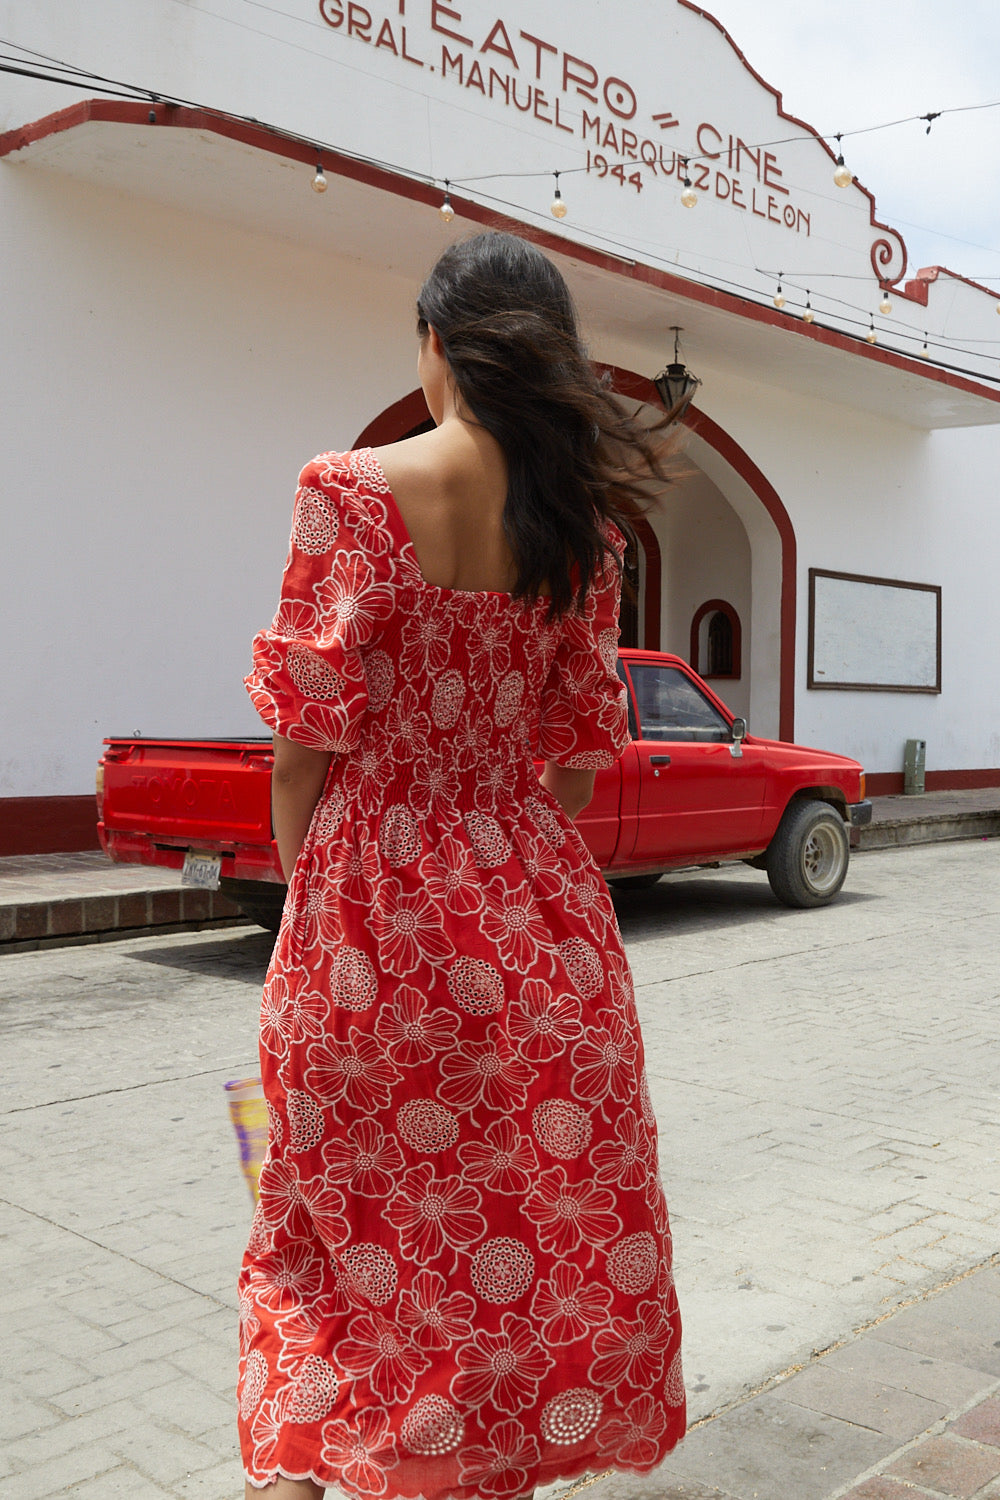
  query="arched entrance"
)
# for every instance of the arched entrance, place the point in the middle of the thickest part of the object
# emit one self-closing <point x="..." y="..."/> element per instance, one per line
<point x="730" y="474"/>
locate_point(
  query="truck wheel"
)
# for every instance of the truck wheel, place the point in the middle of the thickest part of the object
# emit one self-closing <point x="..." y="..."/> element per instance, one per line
<point x="807" y="858"/>
<point x="259" y="900"/>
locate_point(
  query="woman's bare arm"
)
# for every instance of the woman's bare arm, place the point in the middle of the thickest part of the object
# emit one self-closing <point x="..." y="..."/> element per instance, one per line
<point x="296" y="783"/>
<point x="571" y="789"/>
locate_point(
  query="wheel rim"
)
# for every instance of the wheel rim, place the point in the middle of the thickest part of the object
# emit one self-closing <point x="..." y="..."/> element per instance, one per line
<point x="823" y="858"/>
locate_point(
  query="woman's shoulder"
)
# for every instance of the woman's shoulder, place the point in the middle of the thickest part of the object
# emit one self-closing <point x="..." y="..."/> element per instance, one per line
<point x="356" y="472"/>
<point x="340" y="501"/>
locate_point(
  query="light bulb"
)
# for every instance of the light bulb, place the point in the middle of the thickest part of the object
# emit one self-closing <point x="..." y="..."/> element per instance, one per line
<point x="446" y="213"/>
<point x="885" y="306"/>
<point x="925" y="353"/>
<point x="688" y="197"/>
<point x="558" y="207"/>
<point x="843" y="176"/>
<point x="779" y="297"/>
<point x="871" y="336"/>
<point x="808" y="315"/>
<point x="319" y="182"/>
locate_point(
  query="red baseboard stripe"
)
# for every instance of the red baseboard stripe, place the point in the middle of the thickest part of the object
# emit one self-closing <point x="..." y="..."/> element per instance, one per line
<point x="47" y="825"/>
<point x="890" y="783"/>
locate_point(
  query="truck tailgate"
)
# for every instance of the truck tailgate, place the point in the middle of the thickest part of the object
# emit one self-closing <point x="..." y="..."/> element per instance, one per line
<point x="185" y="792"/>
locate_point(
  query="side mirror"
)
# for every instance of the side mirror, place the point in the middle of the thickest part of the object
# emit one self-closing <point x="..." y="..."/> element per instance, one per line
<point x="739" y="729"/>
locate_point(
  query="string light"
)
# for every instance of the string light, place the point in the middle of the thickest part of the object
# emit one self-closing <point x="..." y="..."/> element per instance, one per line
<point x="885" y="306"/>
<point x="779" y="296"/>
<point x="557" y="207"/>
<point x="871" y="337"/>
<point x="844" y="177"/>
<point x="925" y="353"/>
<point x="808" y="315"/>
<point x="319" y="182"/>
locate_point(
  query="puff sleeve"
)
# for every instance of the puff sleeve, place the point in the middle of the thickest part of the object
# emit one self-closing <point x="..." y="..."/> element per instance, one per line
<point x="308" y="680"/>
<point x="583" y="711"/>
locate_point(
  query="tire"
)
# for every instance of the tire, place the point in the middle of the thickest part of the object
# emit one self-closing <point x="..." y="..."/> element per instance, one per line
<point x="633" y="882"/>
<point x="808" y="856"/>
<point x="259" y="900"/>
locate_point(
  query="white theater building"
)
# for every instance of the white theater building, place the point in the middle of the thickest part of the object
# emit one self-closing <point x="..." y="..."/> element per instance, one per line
<point x="186" y="321"/>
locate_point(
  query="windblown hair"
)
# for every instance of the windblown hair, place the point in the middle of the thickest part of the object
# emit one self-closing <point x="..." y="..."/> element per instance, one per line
<point x="574" y="456"/>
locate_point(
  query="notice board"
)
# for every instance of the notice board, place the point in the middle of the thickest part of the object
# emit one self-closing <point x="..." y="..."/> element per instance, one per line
<point x="873" y="634"/>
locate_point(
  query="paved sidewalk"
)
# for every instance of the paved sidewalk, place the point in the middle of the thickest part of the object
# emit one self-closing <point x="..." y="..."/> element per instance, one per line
<point x="825" y="1084"/>
<point x="909" y="1408"/>
<point x="69" y="897"/>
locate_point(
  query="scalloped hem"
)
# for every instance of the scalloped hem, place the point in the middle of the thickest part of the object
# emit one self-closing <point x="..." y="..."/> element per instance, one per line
<point x="580" y="1473"/>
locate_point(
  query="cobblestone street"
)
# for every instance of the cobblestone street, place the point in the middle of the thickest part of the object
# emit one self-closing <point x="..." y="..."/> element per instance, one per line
<point x="825" y="1084"/>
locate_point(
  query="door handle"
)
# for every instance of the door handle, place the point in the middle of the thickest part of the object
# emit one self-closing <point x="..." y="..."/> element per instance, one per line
<point x="659" y="760"/>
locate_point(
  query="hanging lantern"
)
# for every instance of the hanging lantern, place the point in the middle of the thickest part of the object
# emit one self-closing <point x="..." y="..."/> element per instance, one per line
<point x="676" y="385"/>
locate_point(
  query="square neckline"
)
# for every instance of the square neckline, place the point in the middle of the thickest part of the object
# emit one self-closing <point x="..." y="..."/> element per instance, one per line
<point x="406" y="541"/>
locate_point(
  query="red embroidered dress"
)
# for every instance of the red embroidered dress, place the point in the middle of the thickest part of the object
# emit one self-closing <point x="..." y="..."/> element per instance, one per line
<point x="458" y="1277"/>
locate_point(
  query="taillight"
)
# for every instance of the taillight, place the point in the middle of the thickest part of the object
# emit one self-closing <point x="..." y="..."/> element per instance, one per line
<point x="100" y="789"/>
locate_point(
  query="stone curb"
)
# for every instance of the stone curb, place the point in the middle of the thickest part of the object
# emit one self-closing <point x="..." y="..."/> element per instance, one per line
<point x="30" y="923"/>
<point x="932" y="828"/>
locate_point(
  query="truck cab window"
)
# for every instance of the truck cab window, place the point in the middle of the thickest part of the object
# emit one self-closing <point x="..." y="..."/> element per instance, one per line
<point x="671" y="707"/>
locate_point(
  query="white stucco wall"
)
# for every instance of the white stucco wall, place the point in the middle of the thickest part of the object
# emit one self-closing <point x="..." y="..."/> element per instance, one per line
<point x="171" y="377"/>
<point x="705" y="555"/>
<point x="874" y="497"/>
<point x="166" y="374"/>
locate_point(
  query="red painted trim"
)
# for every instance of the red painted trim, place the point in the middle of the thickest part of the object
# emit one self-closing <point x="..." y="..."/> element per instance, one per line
<point x="265" y="138"/>
<point x="804" y="125"/>
<point x="711" y="607"/>
<point x="47" y="825"/>
<point x="919" y="287"/>
<point x="890" y="783"/>
<point x="395" y="422"/>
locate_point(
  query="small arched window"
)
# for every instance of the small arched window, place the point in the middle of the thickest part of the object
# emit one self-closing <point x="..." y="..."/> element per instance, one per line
<point x="720" y="646"/>
<point x="716" y="640"/>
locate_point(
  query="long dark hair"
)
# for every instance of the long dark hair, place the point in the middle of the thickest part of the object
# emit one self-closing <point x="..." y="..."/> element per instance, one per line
<point x="509" y="330"/>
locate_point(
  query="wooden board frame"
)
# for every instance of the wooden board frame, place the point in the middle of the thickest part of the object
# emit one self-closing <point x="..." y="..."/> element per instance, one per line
<point x="823" y="682"/>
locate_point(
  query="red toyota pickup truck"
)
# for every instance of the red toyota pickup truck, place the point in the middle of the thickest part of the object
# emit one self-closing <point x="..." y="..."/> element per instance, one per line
<point x="692" y="789"/>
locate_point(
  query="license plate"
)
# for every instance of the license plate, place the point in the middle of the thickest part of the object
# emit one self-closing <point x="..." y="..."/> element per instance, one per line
<point x="202" y="870"/>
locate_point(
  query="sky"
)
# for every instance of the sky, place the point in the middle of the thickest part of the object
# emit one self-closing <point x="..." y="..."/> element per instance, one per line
<point x="842" y="65"/>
